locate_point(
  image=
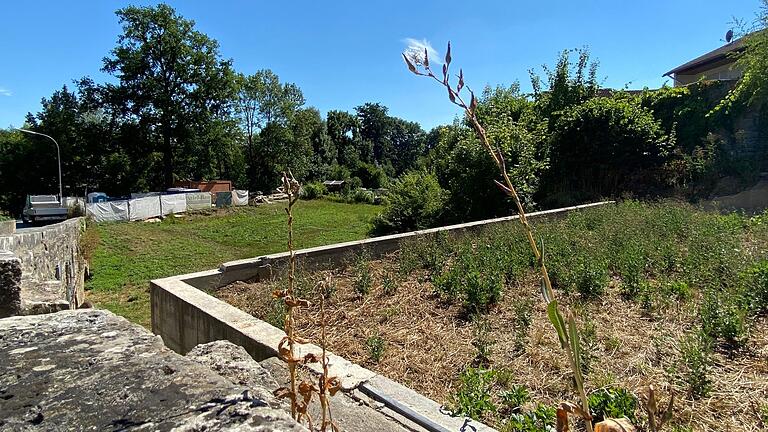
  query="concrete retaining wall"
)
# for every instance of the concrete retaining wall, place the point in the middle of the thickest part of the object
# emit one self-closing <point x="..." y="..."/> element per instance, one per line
<point x="52" y="269"/>
<point x="259" y="268"/>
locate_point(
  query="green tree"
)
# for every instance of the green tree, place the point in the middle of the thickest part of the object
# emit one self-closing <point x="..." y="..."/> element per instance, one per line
<point x="344" y="131"/>
<point x="262" y="102"/>
<point x="752" y="88"/>
<point x="604" y="147"/>
<point x="565" y="85"/>
<point x="171" y="77"/>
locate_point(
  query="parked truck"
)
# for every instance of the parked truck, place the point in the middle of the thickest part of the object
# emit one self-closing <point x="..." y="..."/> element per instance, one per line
<point x="43" y="208"/>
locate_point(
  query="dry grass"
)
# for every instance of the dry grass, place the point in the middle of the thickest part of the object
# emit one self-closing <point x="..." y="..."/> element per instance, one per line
<point x="428" y="342"/>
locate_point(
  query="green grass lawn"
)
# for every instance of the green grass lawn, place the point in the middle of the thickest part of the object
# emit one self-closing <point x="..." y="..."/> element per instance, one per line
<point x="126" y="256"/>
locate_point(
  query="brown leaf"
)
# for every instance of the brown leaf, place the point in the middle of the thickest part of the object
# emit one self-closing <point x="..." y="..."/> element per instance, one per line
<point x="562" y="420"/>
<point x="296" y="302"/>
<point x="282" y="392"/>
<point x="411" y="67"/>
<point x="279" y="293"/>
<point x="448" y="54"/>
<point x="472" y="103"/>
<point x="426" y="58"/>
<point x="311" y="358"/>
<point x="461" y="81"/>
<point x="451" y="96"/>
<point x="615" y="425"/>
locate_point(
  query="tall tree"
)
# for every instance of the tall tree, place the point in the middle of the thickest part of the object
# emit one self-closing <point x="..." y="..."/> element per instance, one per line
<point x="262" y="100"/>
<point x="171" y="76"/>
<point x="344" y="130"/>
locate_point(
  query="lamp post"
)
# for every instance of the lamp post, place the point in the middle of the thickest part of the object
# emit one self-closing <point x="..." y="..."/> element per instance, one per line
<point x="58" y="156"/>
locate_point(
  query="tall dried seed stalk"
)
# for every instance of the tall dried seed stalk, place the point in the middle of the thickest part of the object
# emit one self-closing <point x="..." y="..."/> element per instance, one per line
<point x="301" y="393"/>
<point x="567" y="332"/>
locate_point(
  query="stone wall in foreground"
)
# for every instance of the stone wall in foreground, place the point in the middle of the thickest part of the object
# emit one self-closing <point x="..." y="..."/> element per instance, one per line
<point x="52" y="269"/>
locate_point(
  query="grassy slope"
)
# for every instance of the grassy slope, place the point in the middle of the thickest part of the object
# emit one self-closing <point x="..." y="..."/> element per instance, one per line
<point x="128" y="255"/>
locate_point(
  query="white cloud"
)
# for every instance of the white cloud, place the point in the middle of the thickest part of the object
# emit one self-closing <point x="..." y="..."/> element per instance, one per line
<point x="5" y="92"/>
<point x="415" y="51"/>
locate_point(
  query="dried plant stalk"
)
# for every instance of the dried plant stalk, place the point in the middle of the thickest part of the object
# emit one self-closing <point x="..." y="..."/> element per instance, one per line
<point x="300" y="393"/>
<point x="566" y="331"/>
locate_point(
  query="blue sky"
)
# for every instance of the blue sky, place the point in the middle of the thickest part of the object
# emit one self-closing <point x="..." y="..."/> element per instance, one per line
<point x="345" y="53"/>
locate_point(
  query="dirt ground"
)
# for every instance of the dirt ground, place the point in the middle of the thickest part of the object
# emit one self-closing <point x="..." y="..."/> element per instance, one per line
<point x="429" y="341"/>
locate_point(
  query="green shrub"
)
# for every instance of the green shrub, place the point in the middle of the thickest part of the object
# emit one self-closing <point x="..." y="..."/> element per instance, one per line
<point x="314" y="190"/>
<point x="482" y="341"/>
<point x="602" y="147"/>
<point x="375" y="346"/>
<point x="513" y="399"/>
<point x="363" y="278"/>
<point x="612" y="403"/>
<point x="415" y="201"/>
<point x="723" y="319"/>
<point x="362" y="196"/>
<point x="523" y="312"/>
<point x="542" y="419"/>
<point x="473" y="397"/>
<point x="695" y="364"/>
<point x="428" y="252"/>
<point x="371" y="175"/>
<point x="388" y="284"/>
<point x="474" y="279"/>
<point x="756" y="287"/>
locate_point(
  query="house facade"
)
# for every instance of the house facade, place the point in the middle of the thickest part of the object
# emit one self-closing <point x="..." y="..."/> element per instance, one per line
<point x="718" y="65"/>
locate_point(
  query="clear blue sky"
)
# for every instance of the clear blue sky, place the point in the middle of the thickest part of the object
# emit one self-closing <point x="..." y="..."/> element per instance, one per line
<point x="345" y="53"/>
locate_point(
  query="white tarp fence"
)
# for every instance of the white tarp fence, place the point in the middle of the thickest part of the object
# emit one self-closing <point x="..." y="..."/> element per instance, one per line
<point x="110" y="211"/>
<point x="144" y="208"/>
<point x="198" y="200"/>
<point x="175" y="203"/>
<point x="148" y="207"/>
<point x="240" y="197"/>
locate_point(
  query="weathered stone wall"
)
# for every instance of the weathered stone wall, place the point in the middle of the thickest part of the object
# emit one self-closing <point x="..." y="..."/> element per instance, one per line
<point x="10" y="284"/>
<point x="91" y="370"/>
<point x="52" y="268"/>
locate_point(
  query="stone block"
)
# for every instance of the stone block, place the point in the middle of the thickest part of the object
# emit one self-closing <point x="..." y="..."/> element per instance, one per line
<point x="92" y="370"/>
<point x="10" y="284"/>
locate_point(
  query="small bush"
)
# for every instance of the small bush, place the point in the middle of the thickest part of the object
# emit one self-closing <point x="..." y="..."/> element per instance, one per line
<point x="428" y="253"/>
<point x="723" y="319"/>
<point x="477" y="285"/>
<point x="375" y="346"/>
<point x="312" y="191"/>
<point x="388" y="284"/>
<point x="363" y="278"/>
<point x="756" y="286"/>
<point x="695" y="364"/>
<point x="415" y="201"/>
<point x="542" y="419"/>
<point x="473" y="397"/>
<point x="482" y="342"/>
<point x="612" y="403"/>
<point x="523" y="311"/>
<point x="513" y="399"/>
<point x="361" y="196"/>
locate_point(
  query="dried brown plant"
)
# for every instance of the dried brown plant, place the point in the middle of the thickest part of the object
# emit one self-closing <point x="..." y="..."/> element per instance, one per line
<point x="301" y="393"/>
<point x="566" y="330"/>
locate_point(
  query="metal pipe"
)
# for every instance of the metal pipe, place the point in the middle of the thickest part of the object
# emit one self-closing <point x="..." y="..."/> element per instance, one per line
<point x="401" y="409"/>
<point x="58" y="158"/>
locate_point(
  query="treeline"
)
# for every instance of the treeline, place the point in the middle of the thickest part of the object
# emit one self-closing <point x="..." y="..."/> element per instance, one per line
<point x="180" y="111"/>
<point x="571" y="142"/>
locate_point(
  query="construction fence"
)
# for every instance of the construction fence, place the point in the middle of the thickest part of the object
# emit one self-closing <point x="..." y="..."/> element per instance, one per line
<point x="151" y="206"/>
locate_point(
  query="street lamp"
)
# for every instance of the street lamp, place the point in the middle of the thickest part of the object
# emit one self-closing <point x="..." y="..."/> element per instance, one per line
<point x="58" y="155"/>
